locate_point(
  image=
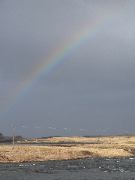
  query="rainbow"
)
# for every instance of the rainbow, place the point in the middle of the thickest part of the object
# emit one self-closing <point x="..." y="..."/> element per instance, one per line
<point x="56" y="57"/>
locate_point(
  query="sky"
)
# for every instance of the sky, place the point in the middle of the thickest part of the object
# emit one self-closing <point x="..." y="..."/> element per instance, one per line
<point x="90" y="90"/>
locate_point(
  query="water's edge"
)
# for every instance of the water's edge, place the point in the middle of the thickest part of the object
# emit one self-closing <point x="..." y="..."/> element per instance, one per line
<point x="87" y="168"/>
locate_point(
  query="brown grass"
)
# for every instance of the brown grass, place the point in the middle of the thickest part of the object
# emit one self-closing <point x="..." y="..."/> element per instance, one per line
<point x="76" y="147"/>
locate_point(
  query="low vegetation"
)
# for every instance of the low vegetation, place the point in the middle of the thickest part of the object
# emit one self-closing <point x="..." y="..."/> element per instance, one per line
<point x="64" y="148"/>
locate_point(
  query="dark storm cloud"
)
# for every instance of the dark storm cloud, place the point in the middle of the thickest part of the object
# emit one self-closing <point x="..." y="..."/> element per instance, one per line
<point x="92" y="91"/>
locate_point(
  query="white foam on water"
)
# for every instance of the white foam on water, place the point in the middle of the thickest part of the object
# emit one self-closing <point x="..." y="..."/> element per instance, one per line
<point x="108" y="159"/>
<point x="131" y="158"/>
<point x="121" y="170"/>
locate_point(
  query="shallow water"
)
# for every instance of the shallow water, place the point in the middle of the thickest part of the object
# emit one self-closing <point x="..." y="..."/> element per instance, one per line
<point x="82" y="169"/>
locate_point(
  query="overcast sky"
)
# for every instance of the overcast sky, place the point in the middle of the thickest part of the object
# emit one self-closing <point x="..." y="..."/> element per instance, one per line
<point x="92" y="91"/>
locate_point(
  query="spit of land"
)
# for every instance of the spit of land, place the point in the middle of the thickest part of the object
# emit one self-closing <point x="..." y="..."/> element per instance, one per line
<point x="67" y="148"/>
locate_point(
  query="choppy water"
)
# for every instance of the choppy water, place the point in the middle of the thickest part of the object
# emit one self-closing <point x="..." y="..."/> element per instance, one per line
<point x="82" y="169"/>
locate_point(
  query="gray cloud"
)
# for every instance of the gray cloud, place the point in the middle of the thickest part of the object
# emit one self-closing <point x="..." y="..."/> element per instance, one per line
<point x="92" y="91"/>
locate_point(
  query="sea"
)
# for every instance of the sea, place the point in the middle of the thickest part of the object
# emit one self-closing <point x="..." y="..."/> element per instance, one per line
<point x="80" y="169"/>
